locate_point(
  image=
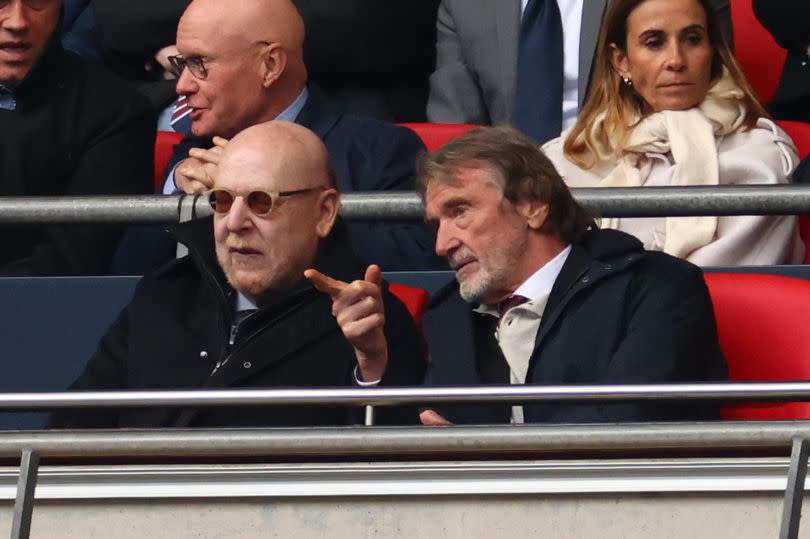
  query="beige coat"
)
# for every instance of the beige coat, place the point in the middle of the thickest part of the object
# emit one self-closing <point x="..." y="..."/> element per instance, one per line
<point x="763" y="155"/>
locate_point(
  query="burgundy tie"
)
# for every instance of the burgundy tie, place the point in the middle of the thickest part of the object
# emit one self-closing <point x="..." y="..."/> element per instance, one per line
<point x="508" y="303"/>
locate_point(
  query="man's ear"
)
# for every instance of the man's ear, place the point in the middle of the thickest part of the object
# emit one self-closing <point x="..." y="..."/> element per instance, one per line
<point x="618" y="59"/>
<point x="274" y="61"/>
<point x="328" y="207"/>
<point x="534" y="211"/>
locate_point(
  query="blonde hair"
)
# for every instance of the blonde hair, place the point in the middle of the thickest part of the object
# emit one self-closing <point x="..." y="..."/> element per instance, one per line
<point x="620" y="105"/>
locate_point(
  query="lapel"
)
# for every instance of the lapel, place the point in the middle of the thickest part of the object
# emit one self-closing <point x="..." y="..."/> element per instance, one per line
<point x="568" y="283"/>
<point x="318" y="115"/>
<point x="592" y="12"/>
<point x="507" y="34"/>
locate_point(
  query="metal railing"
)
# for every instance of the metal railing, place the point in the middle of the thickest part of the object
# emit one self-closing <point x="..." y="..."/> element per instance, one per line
<point x="364" y="442"/>
<point x="608" y="202"/>
<point x="753" y="391"/>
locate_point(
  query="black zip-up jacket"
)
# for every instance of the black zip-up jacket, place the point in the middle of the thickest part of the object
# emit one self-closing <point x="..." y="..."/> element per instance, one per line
<point x="617" y="314"/>
<point x="176" y="333"/>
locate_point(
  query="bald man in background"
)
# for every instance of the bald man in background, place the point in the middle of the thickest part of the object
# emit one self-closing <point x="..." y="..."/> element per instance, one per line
<point x="242" y="63"/>
<point x="237" y="312"/>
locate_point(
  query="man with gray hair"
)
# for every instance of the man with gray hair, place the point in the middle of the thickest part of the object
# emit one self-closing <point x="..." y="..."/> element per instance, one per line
<point x="543" y="297"/>
<point x="237" y="312"/>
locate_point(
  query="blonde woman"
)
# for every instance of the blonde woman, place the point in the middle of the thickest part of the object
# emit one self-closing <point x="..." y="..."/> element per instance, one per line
<point x="670" y="106"/>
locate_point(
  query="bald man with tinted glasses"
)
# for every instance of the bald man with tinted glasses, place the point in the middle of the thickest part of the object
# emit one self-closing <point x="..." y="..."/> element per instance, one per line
<point x="237" y="312"/>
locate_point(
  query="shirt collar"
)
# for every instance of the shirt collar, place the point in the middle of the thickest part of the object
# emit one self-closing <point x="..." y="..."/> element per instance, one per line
<point x="539" y="284"/>
<point x="243" y="303"/>
<point x="294" y="109"/>
<point x="7" y="100"/>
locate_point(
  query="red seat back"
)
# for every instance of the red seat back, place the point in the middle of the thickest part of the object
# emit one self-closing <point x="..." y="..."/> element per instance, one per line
<point x="760" y="57"/>
<point x="164" y="145"/>
<point x="437" y="135"/>
<point x="415" y="300"/>
<point x="800" y="133"/>
<point x="762" y="323"/>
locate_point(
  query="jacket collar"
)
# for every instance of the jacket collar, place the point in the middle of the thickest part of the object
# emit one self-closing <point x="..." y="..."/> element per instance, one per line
<point x="318" y="114"/>
<point x="599" y="254"/>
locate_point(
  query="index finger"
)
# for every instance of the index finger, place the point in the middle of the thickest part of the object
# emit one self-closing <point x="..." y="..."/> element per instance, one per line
<point x="221" y="142"/>
<point x="324" y="283"/>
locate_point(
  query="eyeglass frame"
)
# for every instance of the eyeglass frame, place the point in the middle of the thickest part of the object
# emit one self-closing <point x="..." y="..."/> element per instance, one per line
<point x="274" y="197"/>
<point x="196" y="63"/>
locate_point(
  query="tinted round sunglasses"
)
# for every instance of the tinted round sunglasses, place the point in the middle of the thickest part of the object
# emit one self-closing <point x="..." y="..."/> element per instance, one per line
<point x="258" y="202"/>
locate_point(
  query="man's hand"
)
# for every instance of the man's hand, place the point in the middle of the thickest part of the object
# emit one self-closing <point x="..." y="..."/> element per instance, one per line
<point x="195" y="175"/>
<point x="432" y="419"/>
<point x="360" y="313"/>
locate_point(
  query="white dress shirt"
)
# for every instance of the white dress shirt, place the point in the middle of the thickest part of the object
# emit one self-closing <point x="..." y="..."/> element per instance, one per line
<point x="571" y="14"/>
<point x="518" y="328"/>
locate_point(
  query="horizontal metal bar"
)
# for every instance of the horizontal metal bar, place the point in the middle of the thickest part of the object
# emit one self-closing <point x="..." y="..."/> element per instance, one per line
<point x="612" y="202"/>
<point x="431" y="478"/>
<point x="95" y="209"/>
<point x="455" y="442"/>
<point x="783" y="391"/>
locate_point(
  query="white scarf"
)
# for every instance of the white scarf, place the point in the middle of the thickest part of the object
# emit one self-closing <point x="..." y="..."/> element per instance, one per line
<point x="690" y="136"/>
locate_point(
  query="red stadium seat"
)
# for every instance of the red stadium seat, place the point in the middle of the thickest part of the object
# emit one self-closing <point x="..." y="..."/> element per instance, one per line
<point x="760" y="57"/>
<point x="437" y="135"/>
<point x="762" y="323"/>
<point x="164" y="144"/>
<point x="800" y="133"/>
<point x="415" y="300"/>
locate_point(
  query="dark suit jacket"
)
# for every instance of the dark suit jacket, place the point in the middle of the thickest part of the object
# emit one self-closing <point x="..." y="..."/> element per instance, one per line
<point x="616" y="315"/>
<point x="368" y="155"/>
<point x="789" y="23"/>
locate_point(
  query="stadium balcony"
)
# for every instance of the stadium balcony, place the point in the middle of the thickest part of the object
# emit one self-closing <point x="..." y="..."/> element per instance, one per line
<point x="718" y="479"/>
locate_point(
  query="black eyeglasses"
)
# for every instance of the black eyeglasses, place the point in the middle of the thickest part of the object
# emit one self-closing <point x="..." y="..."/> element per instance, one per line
<point x="258" y="202"/>
<point x="195" y="64"/>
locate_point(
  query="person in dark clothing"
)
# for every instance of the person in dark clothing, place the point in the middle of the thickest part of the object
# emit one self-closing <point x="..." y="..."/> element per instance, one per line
<point x="544" y="297"/>
<point x="69" y="128"/>
<point x="237" y="312"/>
<point x="788" y="22"/>
<point x="355" y="50"/>
<point x="221" y="47"/>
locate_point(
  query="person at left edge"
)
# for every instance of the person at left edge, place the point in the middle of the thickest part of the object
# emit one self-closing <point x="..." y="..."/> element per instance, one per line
<point x="68" y="129"/>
